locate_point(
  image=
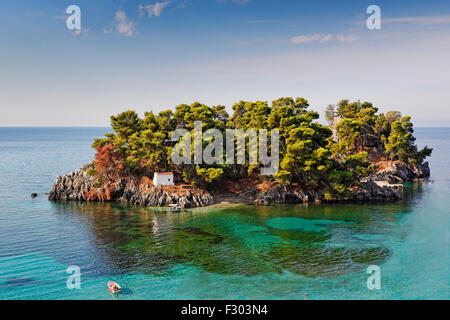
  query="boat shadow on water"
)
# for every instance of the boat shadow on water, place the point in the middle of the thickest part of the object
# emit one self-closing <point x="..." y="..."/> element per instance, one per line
<point x="126" y="291"/>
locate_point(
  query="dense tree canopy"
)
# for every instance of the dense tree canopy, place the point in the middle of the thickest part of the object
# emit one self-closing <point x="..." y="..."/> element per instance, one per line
<point x="308" y="155"/>
<point x="360" y="128"/>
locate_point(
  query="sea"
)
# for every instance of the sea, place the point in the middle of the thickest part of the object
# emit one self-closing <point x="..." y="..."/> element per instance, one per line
<point x="70" y="250"/>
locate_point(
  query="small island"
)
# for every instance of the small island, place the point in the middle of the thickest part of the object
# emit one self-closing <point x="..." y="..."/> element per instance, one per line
<point x="361" y="155"/>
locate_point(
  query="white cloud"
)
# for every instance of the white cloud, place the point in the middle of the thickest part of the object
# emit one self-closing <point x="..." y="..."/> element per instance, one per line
<point x="322" y="38"/>
<point x="153" y="10"/>
<point x="316" y="37"/>
<point x="414" y="20"/>
<point x="443" y="19"/>
<point x="346" y="37"/>
<point x="123" y="25"/>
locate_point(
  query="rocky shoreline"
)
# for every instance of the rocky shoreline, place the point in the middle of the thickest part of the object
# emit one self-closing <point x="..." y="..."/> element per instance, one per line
<point x="80" y="186"/>
<point x="399" y="172"/>
<point x="367" y="191"/>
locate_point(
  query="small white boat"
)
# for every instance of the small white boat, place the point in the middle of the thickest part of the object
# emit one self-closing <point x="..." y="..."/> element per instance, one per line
<point x="175" y="208"/>
<point x="113" y="287"/>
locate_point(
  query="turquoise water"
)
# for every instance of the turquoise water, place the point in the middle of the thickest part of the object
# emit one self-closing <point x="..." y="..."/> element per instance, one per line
<point x="238" y="252"/>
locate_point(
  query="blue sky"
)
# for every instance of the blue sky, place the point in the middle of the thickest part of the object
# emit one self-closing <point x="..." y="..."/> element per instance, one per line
<point x="157" y="54"/>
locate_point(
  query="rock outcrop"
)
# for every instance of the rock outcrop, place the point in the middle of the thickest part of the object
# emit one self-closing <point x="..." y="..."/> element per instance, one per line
<point x="370" y="190"/>
<point x="72" y="186"/>
<point x="79" y="185"/>
<point x="400" y="172"/>
<point x="333" y="128"/>
<point x="277" y="193"/>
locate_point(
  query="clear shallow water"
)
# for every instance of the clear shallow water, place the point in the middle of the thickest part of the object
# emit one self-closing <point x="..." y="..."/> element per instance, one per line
<point x="239" y="252"/>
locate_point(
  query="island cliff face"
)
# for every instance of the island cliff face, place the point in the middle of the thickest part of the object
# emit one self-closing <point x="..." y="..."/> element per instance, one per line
<point x="79" y="185"/>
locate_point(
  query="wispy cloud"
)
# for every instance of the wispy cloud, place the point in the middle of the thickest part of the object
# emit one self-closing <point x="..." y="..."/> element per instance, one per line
<point x="322" y="38"/>
<point x="124" y="26"/>
<point x="346" y="37"/>
<point x="153" y="10"/>
<point x="412" y="20"/>
<point x="307" y="38"/>
<point x="442" y="19"/>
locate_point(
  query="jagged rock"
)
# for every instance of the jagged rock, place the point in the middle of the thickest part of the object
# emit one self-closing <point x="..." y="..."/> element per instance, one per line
<point x="277" y="193"/>
<point x="333" y="128"/>
<point x="422" y="170"/>
<point x="78" y="185"/>
<point x="400" y="172"/>
<point x="72" y="186"/>
<point x="372" y="191"/>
